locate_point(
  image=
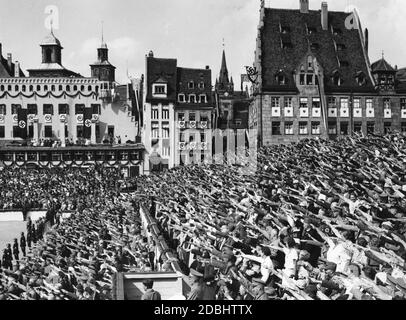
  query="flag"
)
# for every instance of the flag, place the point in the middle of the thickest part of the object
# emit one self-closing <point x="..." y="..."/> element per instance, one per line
<point x="22" y="123"/>
<point x="87" y="122"/>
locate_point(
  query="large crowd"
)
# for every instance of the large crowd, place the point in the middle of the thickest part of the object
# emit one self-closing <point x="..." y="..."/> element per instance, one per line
<point x="75" y="256"/>
<point x="315" y="220"/>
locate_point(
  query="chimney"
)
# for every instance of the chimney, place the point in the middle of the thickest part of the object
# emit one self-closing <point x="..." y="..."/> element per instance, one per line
<point x="304" y="6"/>
<point x="9" y="60"/>
<point x="16" y="69"/>
<point x="366" y="40"/>
<point x="324" y="15"/>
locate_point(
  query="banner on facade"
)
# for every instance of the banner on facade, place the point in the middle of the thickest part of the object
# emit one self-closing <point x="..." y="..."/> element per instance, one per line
<point x="87" y="122"/>
<point x="22" y="123"/>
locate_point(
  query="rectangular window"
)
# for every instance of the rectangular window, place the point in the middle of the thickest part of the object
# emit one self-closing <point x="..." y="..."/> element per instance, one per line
<point x="276" y="128"/>
<point x="48" y="109"/>
<point x="203" y="98"/>
<point x="95" y="108"/>
<point x="182" y="137"/>
<point x="402" y="103"/>
<point x="181" y="97"/>
<point x="357" y="127"/>
<point x="369" y="103"/>
<point x="357" y="103"/>
<point x="16" y="131"/>
<point x="3" y="109"/>
<point x="15" y="108"/>
<point x="332" y="128"/>
<point x="344" y="103"/>
<point x="288" y="102"/>
<point x="159" y="89"/>
<point x="302" y="79"/>
<point x="79" y="131"/>
<point x="202" y="137"/>
<point x="332" y="102"/>
<point x="154" y="114"/>
<point x="303" y="129"/>
<point x="315" y="127"/>
<point x="2" y="132"/>
<point x="192" y="116"/>
<point x="48" y="131"/>
<point x="275" y="102"/>
<point x="309" y="79"/>
<point x="316" y="103"/>
<point x="386" y="104"/>
<point x="79" y="108"/>
<point x="387" y="127"/>
<point x="370" y="127"/>
<point x="165" y="113"/>
<point x="192" y="98"/>
<point x="32" y="109"/>
<point x="181" y="116"/>
<point x="165" y="130"/>
<point x="155" y="130"/>
<point x="344" y="128"/>
<point x="63" y="109"/>
<point x="289" y="128"/>
<point x="303" y="102"/>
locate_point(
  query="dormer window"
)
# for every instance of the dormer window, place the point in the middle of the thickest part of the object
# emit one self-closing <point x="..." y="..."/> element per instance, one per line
<point x="361" y="79"/>
<point x="309" y="63"/>
<point x="191" y="85"/>
<point x="181" y="97"/>
<point x="159" y="90"/>
<point x="201" y="85"/>
<point x="337" y="79"/>
<point x="203" y="98"/>
<point x="280" y="78"/>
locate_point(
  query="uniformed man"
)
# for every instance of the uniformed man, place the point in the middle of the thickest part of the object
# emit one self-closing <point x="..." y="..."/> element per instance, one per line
<point x="16" y="251"/>
<point x="23" y="244"/>
<point x="196" y="292"/>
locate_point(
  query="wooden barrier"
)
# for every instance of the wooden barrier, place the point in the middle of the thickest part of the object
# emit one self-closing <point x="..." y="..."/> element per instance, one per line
<point x="17" y="216"/>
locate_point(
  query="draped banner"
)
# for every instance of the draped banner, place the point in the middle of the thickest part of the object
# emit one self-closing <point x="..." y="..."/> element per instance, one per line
<point x="87" y="122"/>
<point x="22" y="123"/>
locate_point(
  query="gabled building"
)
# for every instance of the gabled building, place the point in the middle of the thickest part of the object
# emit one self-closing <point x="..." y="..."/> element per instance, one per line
<point x="177" y="111"/>
<point x="314" y="77"/>
<point x="8" y="68"/>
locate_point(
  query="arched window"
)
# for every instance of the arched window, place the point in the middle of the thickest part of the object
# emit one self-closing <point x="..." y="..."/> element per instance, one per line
<point x="68" y="88"/>
<point x="16" y="88"/>
<point x="337" y="79"/>
<point x="9" y="87"/>
<point x="75" y="88"/>
<point x="89" y="88"/>
<point x="97" y="89"/>
<point x="38" y="88"/>
<point x="82" y="88"/>
<point x="52" y="88"/>
<point x="60" y="88"/>
<point x="45" y="88"/>
<point x="2" y="88"/>
<point x="309" y="63"/>
<point x="31" y="88"/>
<point x="23" y="88"/>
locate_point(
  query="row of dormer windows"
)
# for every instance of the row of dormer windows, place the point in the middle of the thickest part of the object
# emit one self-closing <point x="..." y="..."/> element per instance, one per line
<point x="192" y="98"/>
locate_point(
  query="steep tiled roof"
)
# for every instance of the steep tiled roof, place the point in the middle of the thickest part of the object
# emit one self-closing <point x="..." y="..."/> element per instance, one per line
<point x="382" y="65"/>
<point x="186" y="75"/>
<point x="322" y="43"/>
<point x="401" y="81"/>
<point x="5" y="71"/>
<point x="156" y="69"/>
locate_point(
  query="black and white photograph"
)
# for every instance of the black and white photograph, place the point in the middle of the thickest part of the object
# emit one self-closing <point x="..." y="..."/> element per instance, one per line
<point x="219" y="151"/>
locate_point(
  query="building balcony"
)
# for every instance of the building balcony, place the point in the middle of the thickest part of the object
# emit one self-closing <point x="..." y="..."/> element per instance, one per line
<point x="332" y="112"/>
<point x="304" y="112"/>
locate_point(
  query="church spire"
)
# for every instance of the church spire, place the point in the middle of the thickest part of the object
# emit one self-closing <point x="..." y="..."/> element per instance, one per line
<point x="224" y="83"/>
